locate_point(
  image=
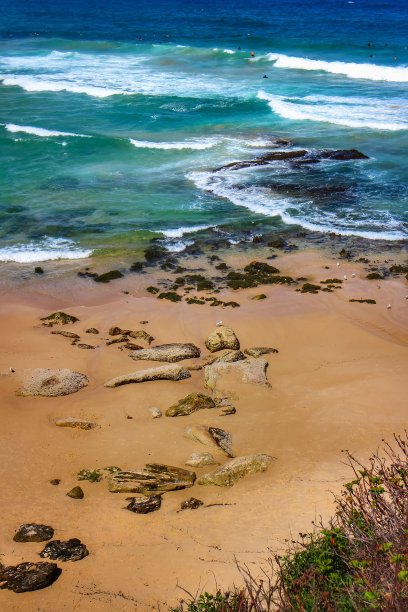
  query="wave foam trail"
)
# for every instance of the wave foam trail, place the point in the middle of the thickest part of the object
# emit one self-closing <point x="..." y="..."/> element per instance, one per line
<point x="47" y="249"/>
<point x="205" y="143"/>
<point x="351" y="112"/>
<point x="180" y="231"/>
<point x="352" y="70"/>
<point x="42" y="132"/>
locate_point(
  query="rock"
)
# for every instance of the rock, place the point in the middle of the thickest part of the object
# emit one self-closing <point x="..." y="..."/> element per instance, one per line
<point x="251" y="371"/>
<point x="342" y="154"/>
<point x="71" y="550"/>
<point x="55" y="481"/>
<point x="51" y="383"/>
<point x="171" y="372"/>
<point x="167" y="352"/>
<point x="228" y="410"/>
<point x="191" y="504"/>
<point x="117" y="340"/>
<point x="201" y="460"/>
<point x="66" y="334"/>
<point x="141" y="334"/>
<point x="258" y="297"/>
<point x="154" y="477"/>
<point x="257" y="351"/>
<point x="145" y="504"/>
<point x="76" y="493"/>
<point x="92" y="330"/>
<point x="230" y="472"/>
<point x="33" y="532"/>
<point x="86" y="346"/>
<point x="90" y="475"/>
<point x="26" y="577"/>
<point x="210" y="436"/>
<point x="74" y="422"/>
<point x="222" y="337"/>
<point x="38" y="270"/>
<point x="189" y="404"/>
<point x="108" y="276"/>
<point x="156" y="413"/>
<point x="130" y="346"/>
<point x="264" y="159"/>
<point x="117" y="331"/>
<point x="226" y="355"/>
<point x="194" y="367"/>
<point x="59" y="318"/>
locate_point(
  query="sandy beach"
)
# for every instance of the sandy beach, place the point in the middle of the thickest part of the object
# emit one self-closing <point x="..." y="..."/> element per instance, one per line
<point x="338" y="382"/>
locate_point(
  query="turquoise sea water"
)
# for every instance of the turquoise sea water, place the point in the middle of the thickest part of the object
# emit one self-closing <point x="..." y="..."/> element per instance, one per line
<point x="114" y="114"/>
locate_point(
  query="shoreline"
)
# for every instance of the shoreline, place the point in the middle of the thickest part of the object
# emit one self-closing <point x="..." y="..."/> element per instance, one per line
<point x="338" y="381"/>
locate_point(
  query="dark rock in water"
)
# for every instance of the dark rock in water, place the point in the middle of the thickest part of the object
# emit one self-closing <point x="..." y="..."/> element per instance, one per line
<point x="71" y="550"/>
<point x="154" y="477"/>
<point x="277" y="243"/>
<point x="26" y="577"/>
<point x="342" y="155"/>
<point x="76" y="493"/>
<point x="344" y="254"/>
<point x="108" y="276"/>
<point x="33" y="532"/>
<point x="59" y="318"/>
<point x="189" y="404"/>
<point x="191" y="504"/>
<point x="38" y="270"/>
<point x="91" y="330"/>
<point x="145" y="504"/>
<point x="137" y="266"/>
<point x="264" y="159"/>
<point x="155" y="252"/>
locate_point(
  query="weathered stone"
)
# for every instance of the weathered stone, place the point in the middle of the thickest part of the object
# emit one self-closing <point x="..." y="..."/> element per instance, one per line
<point x="106" y="277"/>
<point x="142" y="335"/>
<point x="154" y="477"/>
<point x="189" y="404"/>
<point x="55" y="481"/>
<point x="156" y="413"/>
<point x="258" y="297"/>
<point x="71" y="550"/>
<point x="167" y="352"/>
<point x="172" y="372"/>
<point x="226" y="355"/>
<point x="117" y="331"/>
<point x="230" y="472"/>
<point x="33" y="532"/>
<point x="257" y="351"/>
<point x="74" y="422"/>
<point x="144" y="504"/>
<point x="222" y="337"/>
<point x="191" y="504"/>
<point x="86" y="346"/>
<point x="92" y="330"/>
<point x="59" y="318"/>
<point x="130" y="346"/>
<point x="210" y="436"/>
<point x="90" y="475"/>
<point x="51" y="383"/>
<point x="117" y="340"/>
<point x="194" y="367"/>
<point x="228" y="410"/>
<point x="26" y="577"/>
<point x="66" y="334"/>
<point x="201" y="460"/>
<point x="251" y="371"/>
<point x="76" y="493"/>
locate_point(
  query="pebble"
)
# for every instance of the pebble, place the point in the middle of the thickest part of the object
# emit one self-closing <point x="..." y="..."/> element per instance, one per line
<point x="156" y="413"/>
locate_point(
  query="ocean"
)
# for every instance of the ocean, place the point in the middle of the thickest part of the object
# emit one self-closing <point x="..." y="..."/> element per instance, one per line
<point x="114" y="116"/>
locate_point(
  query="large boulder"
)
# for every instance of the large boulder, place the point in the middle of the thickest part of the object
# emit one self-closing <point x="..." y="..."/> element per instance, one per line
<point x="26" y="577"/>
<point x="51" y="382"/>
<point x="33" y="532"/>
<point x="189" y="404"/>
<point x="210" y="436"/>
<point x="251" y="371"/>
<point x="222" y="337"/>
<point x="155" y="477"/>
<point x="75" y="423"/>
<point x="171" y="372"/>
<point x="71" y="550"/>
<point x="226" y="355"/>
<point x="230" y="472"/>
<point x="167" y="352"/>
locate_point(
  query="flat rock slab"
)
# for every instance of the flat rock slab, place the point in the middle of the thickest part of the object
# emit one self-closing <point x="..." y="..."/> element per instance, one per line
<point x="71" y="550"/>
<point x="258" y="351"/>
<point x="75" y="423"/>
<point x="251" y="371"/>
<point x="226" y="355"/>
<point x="171" y="372"/>
<point x="33" y="532"/>
<point x="211" y="436"/>
<point x="51" y="382"/>
<point x="155" y="477"/>
<point x="167" y="352"/>
<point x="222" y="337"/>
<point x="230" y="472"/>
<point x="201" y="460"/>
<point x="189" y="404"/>
<point x="26" y="577"/>
<point x="144" y="504"/>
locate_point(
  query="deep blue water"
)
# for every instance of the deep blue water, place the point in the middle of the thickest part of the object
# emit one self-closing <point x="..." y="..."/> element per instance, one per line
<point x="114" y="115"/>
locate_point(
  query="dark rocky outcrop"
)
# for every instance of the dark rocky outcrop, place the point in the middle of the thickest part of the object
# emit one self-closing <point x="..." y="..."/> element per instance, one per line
<point x="191" y="504"/>
<point x="108" y="276"/>
<point x="33" y="532"/>
<point x="26" y="577"/>
<point x="76" y="493"/>
<point x="144" y="504"/>
<point x="189" y="404"/>
<point x="155" y="477"/>
<point x="59" y="318"/>
<point x="71" y="550"/>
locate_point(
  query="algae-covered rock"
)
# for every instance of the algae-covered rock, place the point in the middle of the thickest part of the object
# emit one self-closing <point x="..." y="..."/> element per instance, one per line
<point x="51" y="382"/>
<point x="71" y="550"/>
<point x="172" y="372"/>
<point x="144" y="504"/>
<point x="27" y="576"/>
<point x="141" y="334"/>
<point x="210" y="436"/>
<point x="118" y="331"/>
<point x="60" y="318"/>
<point x="167" y="352"/>
<point x="258" y="351"/>
<point x="90" y="475"/>
<point x="258" y="297"/>
<point x="191" y="504"/>
<point x="75" y="423"/>
<point x="230" y="472"/>
<point x="189" y="404"/>
<point x="198" y="460"/>
<point x="106" y="277"/>
<point x="33" y="532"/>
<point x="222" y="337"/>
<point x="66" y="334"/>
<point x="226" y="355"/>
<point x="251" y="371"/>
<point x="154" y="477"/>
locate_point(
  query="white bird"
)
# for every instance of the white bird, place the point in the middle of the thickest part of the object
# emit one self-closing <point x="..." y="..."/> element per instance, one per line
<point x="337" y="264"/>
<point x="353" y="275"/>
<point x="218" y="323"/>
<point x="345" y="277"/>
<point x="388" y="306"/>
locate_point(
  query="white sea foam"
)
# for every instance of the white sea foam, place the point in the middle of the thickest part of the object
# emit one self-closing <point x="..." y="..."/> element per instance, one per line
<point x="355" y="113"/>
<point x="47" y="249"/>
<point x="205" y="143"/>
<point x="352" y="70"/>
<point x="180" y="231"/>
<point x="42" y="132"/>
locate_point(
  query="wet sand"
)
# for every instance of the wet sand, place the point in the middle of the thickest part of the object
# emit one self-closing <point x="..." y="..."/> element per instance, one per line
<point x="338" y="382"/>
